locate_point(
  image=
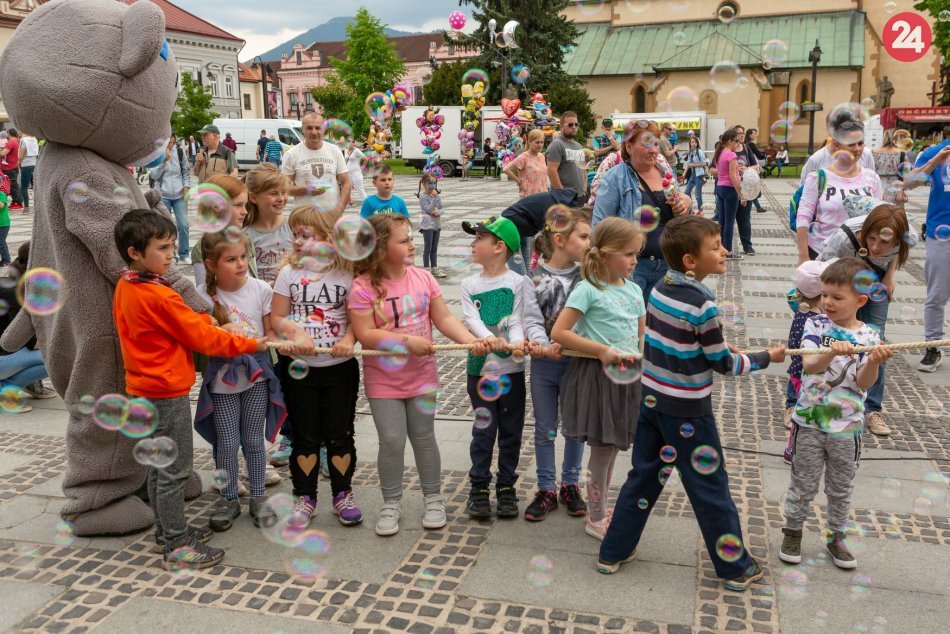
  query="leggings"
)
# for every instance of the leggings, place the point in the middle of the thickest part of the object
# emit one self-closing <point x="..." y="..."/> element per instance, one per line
<point x="239" y="422"/>
<point x="600" y="469"/>
<point x="397" y="418"/>
<point x="430" y="249"/>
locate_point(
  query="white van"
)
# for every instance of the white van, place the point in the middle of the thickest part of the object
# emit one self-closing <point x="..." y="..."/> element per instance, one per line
<point x="246" y="132"/>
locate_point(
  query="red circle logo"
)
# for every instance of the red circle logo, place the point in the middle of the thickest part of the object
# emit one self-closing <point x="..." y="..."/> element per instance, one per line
<point x="907" y="36"/>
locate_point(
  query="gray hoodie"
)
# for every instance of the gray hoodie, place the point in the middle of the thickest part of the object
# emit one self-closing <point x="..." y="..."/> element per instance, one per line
<point x="171" y="177"/>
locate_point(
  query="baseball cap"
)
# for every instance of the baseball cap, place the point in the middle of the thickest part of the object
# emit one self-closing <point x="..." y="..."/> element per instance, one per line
<point x="502" y="228"/>
<point x="808" y="277"/>
<point x="213" y="129"/>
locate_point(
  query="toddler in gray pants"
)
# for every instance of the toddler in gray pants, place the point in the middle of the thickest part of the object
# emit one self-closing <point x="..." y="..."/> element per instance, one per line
<point x="829" y="415"/>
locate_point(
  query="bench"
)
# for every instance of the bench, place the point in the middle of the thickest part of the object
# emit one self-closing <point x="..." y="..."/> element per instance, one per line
<point x="794" y="163"/>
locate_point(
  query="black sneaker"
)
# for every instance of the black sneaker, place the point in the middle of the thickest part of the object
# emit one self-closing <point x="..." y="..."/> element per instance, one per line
<point x="507" y="502"/>
<point x="791" y="551"/>
<point x="932" y="360"/>
<point x="571" y="498"/>
<point x="262" y="513"/>
<point x="224" y="514"/>
<point x="194" y="555"/>
<point x="544" y="503"/>
<point x="203" y="533"/>
<point x="840" y="553"/>
<point x="740" y="584"/>
<point x="479" y="504"/>
<point x="750" y="252"/>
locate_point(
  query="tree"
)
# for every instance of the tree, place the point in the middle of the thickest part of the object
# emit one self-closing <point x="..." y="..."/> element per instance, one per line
<point x="336" y="98"/>
<point x="371" y="65"/>
<point x="445" y="86"/>
<point x="938" y="10"/>
<point x="193" y="110"/>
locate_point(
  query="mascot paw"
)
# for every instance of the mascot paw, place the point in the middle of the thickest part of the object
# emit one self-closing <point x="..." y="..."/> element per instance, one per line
<point x="193" y="487"/>
<point x="122" y="517"/>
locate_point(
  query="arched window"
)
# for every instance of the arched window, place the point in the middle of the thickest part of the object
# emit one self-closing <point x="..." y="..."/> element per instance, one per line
<point x="640" y="99"/>
<point x="804" y="91"/>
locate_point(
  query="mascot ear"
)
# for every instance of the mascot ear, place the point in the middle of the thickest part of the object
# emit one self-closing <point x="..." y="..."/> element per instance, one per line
<point x="143" y="37"/>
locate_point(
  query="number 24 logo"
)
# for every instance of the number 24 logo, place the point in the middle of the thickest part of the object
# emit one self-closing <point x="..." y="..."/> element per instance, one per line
<point x="907" y="36"/>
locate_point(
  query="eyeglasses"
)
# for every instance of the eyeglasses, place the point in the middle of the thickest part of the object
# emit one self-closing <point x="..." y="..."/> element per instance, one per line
<point x="304" y="235"/>
<point x="571" y="125"/>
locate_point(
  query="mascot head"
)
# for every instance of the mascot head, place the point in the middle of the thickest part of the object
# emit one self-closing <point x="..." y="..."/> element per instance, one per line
<point x="95" y="74"/>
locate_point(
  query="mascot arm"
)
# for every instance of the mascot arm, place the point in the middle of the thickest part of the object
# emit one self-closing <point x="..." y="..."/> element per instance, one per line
<point x="18" y="333"/>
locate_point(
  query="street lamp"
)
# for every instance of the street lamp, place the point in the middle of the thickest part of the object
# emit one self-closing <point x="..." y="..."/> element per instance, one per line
<point x="814" y="56"/>
<point x="263" y="84"/>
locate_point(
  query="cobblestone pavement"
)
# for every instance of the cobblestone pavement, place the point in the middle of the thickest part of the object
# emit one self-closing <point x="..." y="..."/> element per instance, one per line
<point x="514" y="576"/>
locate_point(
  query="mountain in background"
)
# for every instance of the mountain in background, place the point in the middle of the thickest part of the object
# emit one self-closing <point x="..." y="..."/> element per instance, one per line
<point x="332" y="31"/>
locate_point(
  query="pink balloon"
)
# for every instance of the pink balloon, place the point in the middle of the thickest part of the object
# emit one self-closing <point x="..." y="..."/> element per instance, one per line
<point x="435" y="145"/>
<point x="439" y="119"/>
<point x="457" y="20"/>
<point x="420" y="122"/>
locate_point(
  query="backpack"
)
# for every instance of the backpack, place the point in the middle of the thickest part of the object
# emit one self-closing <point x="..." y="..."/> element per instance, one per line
<point x="797" y="196"/>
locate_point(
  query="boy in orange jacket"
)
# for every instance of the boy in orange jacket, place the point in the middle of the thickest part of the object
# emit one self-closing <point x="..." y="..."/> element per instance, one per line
<point x="157" y="334"/>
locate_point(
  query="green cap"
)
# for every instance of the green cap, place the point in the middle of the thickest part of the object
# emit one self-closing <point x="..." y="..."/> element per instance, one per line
<point x="502" y="228"/>
<point x="209" y="128"/>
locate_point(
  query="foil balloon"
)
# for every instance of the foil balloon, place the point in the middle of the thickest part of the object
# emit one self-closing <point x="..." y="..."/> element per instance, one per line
<point x="508" y="33"/>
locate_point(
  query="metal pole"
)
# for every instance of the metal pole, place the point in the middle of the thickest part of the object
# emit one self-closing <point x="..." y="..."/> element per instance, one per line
<point x="264" y="86"/>
<point x="811" y="115"/>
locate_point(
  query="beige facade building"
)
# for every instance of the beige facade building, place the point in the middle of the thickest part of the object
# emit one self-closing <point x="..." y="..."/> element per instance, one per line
<point x="652" y="56"/>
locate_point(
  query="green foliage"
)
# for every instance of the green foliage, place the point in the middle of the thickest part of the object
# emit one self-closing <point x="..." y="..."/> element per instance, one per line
<point x="371" y="65"/>
<point x="573" y="96"/>
<point x="339" y="101"/>
<point x="941" y="41"/>
<point x="445" y="87"/>
<point x="193" y="110"/>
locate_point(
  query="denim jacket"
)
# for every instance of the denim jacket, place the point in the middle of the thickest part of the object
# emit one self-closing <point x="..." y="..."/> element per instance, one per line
<point x="619" y="194"/>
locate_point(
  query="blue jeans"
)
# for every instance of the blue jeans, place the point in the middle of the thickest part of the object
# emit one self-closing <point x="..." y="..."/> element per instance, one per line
<point x="547" y="382"/>
<point x="506" y="426"/>
<point x="875" y="314"/>
<point x="697" y="182"/>
<point x="709" y="494"/>
<point x="727" y="206"/>
<point x="179" y="207"/>
<point x="520" y="266"/>
<point x="21" y="368"/>
<point x="26" y="181"/>
<point x="647" y="273"/>
<point x="430" y="249"/>
<point x="4" y="251"/>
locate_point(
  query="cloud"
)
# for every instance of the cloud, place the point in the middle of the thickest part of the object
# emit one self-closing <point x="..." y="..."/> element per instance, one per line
<point x="258" y="43"/>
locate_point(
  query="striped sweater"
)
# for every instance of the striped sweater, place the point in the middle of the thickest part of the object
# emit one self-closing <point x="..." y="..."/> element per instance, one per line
<point x="683" y="344"/>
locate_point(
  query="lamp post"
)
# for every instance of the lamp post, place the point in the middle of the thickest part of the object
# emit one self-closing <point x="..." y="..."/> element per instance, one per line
<point x="814" y="56"/>
<point x="263" y="66"/>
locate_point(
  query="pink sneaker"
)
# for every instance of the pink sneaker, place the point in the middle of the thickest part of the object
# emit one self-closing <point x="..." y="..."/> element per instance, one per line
<point x="304" y="510"/>
<point x="597" y="529"/>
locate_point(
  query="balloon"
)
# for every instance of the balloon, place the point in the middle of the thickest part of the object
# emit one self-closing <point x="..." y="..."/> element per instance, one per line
<point x="492" y="25"/>
<point x="508" y="33"/>
<point x="457" y="20"/>
<point x="510" y="106"/>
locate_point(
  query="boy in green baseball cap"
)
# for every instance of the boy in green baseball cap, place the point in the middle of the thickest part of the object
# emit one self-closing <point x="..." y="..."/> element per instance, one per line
<point x="492" y="306"/>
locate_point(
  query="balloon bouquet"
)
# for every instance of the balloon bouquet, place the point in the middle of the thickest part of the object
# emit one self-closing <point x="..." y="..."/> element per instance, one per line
<point x="472" y="101"/>
<point x="430" y="125"/>
<point x="380" y="107"/>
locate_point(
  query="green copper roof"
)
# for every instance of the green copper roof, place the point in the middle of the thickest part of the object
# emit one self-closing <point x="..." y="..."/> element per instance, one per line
<point x="631" y="50"/>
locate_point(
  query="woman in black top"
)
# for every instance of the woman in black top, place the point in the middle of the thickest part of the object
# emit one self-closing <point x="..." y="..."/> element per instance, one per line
<point x="751" y="136"/>
<point x="747" y="160"/>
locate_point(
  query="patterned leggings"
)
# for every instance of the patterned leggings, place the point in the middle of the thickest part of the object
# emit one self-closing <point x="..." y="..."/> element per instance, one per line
<point x="239" y="422"/>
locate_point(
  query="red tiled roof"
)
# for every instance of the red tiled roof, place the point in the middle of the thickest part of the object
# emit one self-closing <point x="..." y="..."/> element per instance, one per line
<point x="411" y="48"/>
<point x="177" y="19"/>
<point x="246" y="72"/>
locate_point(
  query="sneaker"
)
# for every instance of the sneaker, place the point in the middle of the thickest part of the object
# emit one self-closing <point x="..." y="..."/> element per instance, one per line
<point x="224" y="513"/>
<point x="38" y="390"/>
<point x="271" y="477"/>
<point x="506" y="500"/>
<point x="733" y="256"/>
<point x="203" y="534"/>
<point x="344" y="505"/>
<point x="610" y="567"/>
<point x="544" y="503"/>
<point x="194" y="555"/>
<point x="434" y="516"/>
<point x="303" y="511"/>
<point x="571" y="498"/>
<point x="281" y="456"/>
<point x="791" y="550"/>
<point x="787" y="456"/>
<point x="388" y="522"/>
<point x="751" y="251"/>
<point x="186" y="261"/>
<point x="932" y="360"/>
<point x="752" y="574"/>
<point x="262" y="513"/>
<point x="788" y="416"/>
<point x="840" y="553"/>
<point x="242" y="490"/>
<point x="479" y="506"/>
<point x="16" y="206"/>
<point x="876" y="424"/>
<point x="324" y="463"/>
<point x="437" y="272"/>
<point x="597" y="529"/>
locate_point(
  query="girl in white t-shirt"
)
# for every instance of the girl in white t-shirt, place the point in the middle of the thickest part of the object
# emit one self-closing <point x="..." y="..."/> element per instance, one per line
<point x="310" y="296"/>
<point x="265" y="224"/>
<point x="242" y="389"/>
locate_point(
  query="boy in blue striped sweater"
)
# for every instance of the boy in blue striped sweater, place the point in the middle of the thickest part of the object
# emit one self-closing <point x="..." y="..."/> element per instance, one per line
<point x="683" y="346"/>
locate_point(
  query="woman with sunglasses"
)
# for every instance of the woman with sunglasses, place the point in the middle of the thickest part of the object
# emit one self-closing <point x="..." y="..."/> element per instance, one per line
<point x="634" y="190"/>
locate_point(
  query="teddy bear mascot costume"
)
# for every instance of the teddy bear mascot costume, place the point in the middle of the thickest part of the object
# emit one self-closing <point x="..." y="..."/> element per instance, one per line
<point x="97" y="80"/>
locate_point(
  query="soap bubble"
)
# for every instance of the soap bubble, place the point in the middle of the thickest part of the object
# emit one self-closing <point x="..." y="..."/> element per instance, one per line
<point x="489" y="388"/>
<point x="878" y="292"/>
<point x="789" y="111"/>
<point x="687" y="430"/>
<point x="306" y="556"/>
<point x="483" y="418"/>
<point x="743" y="82"/>
<point x="86" y="404"/>
<point x="890" y="7"/>
<point x="520" y="73"/>
<point x="668" y="453"/>
<point x="648" y="217"/>
<point x="77" y="192"/>
<point x="110" y="411"/>
<point x="121" y="196"/>
<point x="157" y="452"/>
<point x="729" y="547"/>
<point x="378" y="106"/>
<point x="665" y="473"/>
<point x="724" y="76"/>
<point x="942" y="233"/>
<point x="891" y="487"/>
<point x="775" y="52"/>
<point x="683" y="99"/>
<point x="944" y="16"/>
<point x="397" y="361"/>
<point x="705" y="460"/>
<point x="141" y="419"/>
<point x="212" y="207"/>
<point x="780" y="131"/>
<point x="649" y="400"/>
<point x="233" y="233"/>
<point x="679" y="38"/>
<point x="41" y="291"/>
<point x="298" y="369"/>
<point x="220" y="479"/>
<point x="540" y="572"/>
<point x="843" y="160"/>
<point x="908" y="312"/>
<point x="860" y="586"/>
<point x="426" y="580"/>
<point x="793" y="584"/>
<point x="64" y="533"/>
<point x="427" y="402"/>
<point x="864" y="280"/>
<point x="474" y="75"/>
<point x="338" y="132"/>
<point x="354" y="238"/>
<point x="643" y="504"/>
<point x="558" y="217"/>
<point x="922" y="506"/>
<point x="903" y="140"/>
<point x="726" y="13"/>
<point x="623" y="373"/>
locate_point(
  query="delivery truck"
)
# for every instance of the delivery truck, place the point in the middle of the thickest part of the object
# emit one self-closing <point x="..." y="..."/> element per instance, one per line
<point x="450" y="149"/>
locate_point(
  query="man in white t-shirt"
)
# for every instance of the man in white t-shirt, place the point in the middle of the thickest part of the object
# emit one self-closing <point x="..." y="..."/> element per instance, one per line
<point x="317" y="170"/>
<point x="29" y="151"/>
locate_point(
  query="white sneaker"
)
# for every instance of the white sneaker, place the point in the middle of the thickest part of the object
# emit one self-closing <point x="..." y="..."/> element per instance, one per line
<point x="434" y="516"/>
<point x="186" y="261"/>
<point x="388" y="523"/>
<point x="271" y="477"/>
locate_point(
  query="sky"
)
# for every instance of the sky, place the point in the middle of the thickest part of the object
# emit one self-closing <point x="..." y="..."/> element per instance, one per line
<point x="264" y="25"/>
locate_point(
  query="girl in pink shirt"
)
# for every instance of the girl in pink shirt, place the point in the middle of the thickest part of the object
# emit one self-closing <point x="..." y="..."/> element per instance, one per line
<point x="392" y="306"/>
<point x="529" y="169"/>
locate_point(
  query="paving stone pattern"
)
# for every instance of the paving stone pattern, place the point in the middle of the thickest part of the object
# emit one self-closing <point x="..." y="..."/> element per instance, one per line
<point x="437" y="583"/>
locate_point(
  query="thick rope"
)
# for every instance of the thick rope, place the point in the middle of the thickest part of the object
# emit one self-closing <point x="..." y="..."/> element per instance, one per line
<point x="914" y="345"/>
